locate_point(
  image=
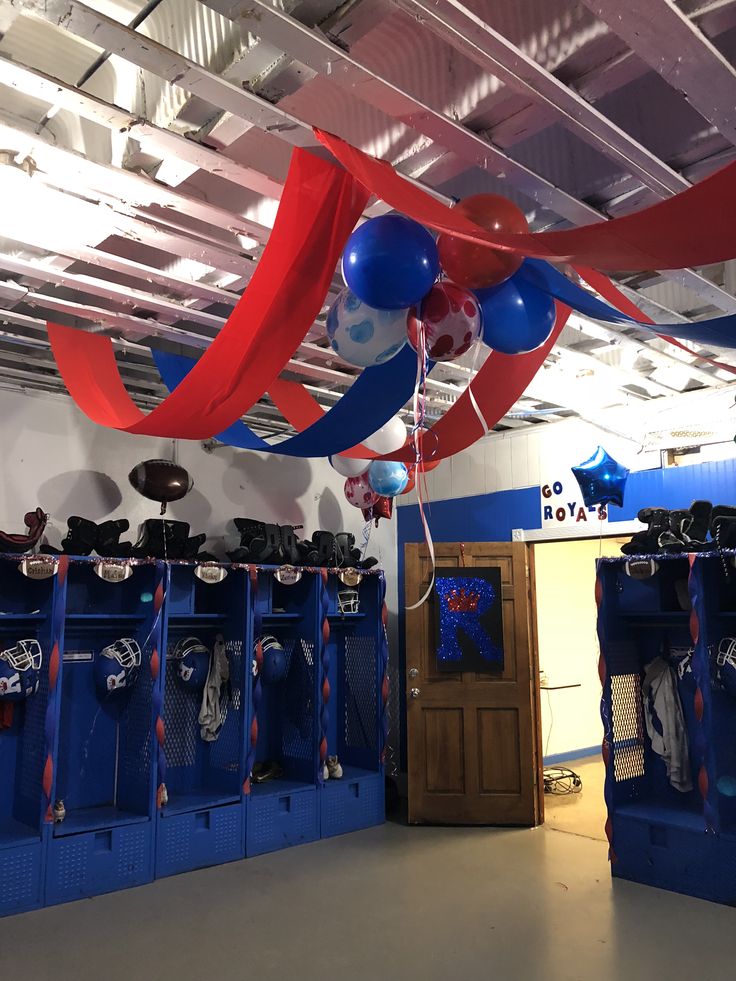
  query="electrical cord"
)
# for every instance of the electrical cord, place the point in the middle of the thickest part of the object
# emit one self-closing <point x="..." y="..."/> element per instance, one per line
<point x="561" y="780"/>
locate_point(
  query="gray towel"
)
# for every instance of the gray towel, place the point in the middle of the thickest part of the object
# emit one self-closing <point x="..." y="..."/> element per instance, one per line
<point x="210" y="715"/>
<point x="665" y="722"/>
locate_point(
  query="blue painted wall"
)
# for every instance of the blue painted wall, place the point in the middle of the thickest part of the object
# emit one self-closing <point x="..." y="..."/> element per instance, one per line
<point x="492" y="518"/>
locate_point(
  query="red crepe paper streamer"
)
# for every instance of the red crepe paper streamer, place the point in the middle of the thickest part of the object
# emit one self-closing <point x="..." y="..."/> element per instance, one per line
<point x="318" y="211"/>
<point x="694" y="227"/>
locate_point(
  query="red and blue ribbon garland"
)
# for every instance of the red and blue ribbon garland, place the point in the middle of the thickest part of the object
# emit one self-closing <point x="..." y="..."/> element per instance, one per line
<point x="383" y="667"/>
<point x="701" y="673"/>
<point x="256" y="687"/>
<point x="159" y="594"/>
<point x="57" y="630"/>
<point x="324" y="712"/>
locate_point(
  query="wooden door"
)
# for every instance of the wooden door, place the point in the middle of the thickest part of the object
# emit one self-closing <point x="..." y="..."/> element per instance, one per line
<point x="474" y="752"/>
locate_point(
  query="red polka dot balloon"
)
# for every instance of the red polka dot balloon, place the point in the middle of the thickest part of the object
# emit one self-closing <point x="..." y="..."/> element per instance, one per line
<point x="452" y="321"/>
<point x="359" y="492"/>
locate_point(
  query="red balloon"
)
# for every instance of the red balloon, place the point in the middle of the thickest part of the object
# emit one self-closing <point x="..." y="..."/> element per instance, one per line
<point x="477" y="266"/>
<point x="410" y="486"/>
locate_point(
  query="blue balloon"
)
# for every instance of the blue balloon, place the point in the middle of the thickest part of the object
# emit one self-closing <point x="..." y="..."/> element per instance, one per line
<point x="387" y="477"/>
<point x="390" y="262"/>
<point x="601" y="479"/>
<point x="517" y="317"/>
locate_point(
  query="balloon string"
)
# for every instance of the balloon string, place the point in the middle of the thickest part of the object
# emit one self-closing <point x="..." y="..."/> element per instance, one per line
<point x="367" y="529"/>
<point x="419" y="404"/>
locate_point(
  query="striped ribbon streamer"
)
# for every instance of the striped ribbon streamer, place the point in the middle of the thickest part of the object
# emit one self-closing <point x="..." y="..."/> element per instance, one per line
<point x="701" y="673"/>
<point x="157" y="695"/>
<point x="57" y="628"/>
<point x="256" y="686"/>
<point x="324" y="712"/>
<point x="383" y="667"/>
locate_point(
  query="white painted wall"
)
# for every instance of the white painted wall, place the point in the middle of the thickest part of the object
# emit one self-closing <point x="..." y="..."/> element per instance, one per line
<point x="54" y="457"/>
<point x="521" y="458"/>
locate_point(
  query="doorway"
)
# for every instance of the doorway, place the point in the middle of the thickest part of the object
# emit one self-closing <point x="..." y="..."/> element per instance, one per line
<point x="567" y="642"/>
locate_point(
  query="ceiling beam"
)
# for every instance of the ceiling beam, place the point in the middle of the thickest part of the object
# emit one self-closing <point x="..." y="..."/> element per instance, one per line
<point x="137" y="48"/>
<point x="321" y="55"/>
<point x="64" y="168"/>
<point x="160" y="142"/>
<point x="670" y="43"/>
<point x="468" y="33"/>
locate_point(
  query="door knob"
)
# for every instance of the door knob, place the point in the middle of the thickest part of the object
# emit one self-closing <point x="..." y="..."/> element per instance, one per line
<point x="414" y="692"/>
<point x="413" y="672"/>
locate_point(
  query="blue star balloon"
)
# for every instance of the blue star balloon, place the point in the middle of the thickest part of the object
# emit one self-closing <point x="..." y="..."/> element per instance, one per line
<point x="601" y="479"/>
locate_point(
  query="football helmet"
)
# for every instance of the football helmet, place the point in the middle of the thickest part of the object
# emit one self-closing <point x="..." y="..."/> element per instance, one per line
<point x="19" y="667"/>
<point x="725" y="675"/>
<point x="275" y="661"/>
<point x="192" y="663"/>
<point x="348" y="601"/>
<point x="116" y="667"/>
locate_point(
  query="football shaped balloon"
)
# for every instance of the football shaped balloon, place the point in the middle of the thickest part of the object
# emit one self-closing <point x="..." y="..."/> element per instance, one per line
<point x="476" y="266"/>
<point x="362" y="335"/>
<point x="601" y="479"/>
<point x="359" y="492"/>
<point x="390" y="262"/>
<point x="347" y="467"/>
<point x="451" y="319"/>
<point x="161" y="480"/>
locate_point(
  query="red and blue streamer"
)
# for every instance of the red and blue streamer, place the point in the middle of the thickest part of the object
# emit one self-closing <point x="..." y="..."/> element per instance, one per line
<point x="156" y="637"/>
<point x="57" y="634"/>
<point x="324" y="711"/>
<point x="256" y="686"/>
<point x="701" y="673"/>
<point x="383" y="667"/>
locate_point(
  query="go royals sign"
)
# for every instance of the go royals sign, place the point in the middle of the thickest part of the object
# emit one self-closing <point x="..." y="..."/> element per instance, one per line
<point x="562" y="505"/>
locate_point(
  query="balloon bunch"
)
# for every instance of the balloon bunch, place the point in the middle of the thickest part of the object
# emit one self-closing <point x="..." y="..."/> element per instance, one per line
<point x="393" y="296"/>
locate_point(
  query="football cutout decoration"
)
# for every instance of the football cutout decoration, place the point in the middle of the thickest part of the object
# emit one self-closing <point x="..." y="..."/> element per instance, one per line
<point x="452" y="322"/>
<point x="161" y="480"/>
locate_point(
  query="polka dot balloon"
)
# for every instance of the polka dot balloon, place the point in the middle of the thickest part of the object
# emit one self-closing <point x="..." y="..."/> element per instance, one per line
<point x="359" y="492"/>
<point x="452" y="321"/>
<point x="363" y="336"/>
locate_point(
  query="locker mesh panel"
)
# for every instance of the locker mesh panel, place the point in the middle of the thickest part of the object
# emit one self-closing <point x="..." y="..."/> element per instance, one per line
<point x="33" y="740"/>
<point x="628" y="727"/>
<point x="360" y="692"/>
<point x="298" y="729"/>
<point x="225" y="751"/>
<point x="181" y="712"/>
<point x="134" y="760"/>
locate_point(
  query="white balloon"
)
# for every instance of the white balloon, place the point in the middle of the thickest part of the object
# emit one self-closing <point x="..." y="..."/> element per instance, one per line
<point x="347" y="467"/>
<point x="388" y="438"/>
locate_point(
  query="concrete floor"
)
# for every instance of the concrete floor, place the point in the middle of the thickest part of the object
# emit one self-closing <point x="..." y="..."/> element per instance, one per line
<point x="583" y="813"/>
<point x="390" y="903"/>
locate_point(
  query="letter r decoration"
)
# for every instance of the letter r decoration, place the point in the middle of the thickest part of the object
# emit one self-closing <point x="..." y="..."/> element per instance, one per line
<point x="464" y="632"/>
